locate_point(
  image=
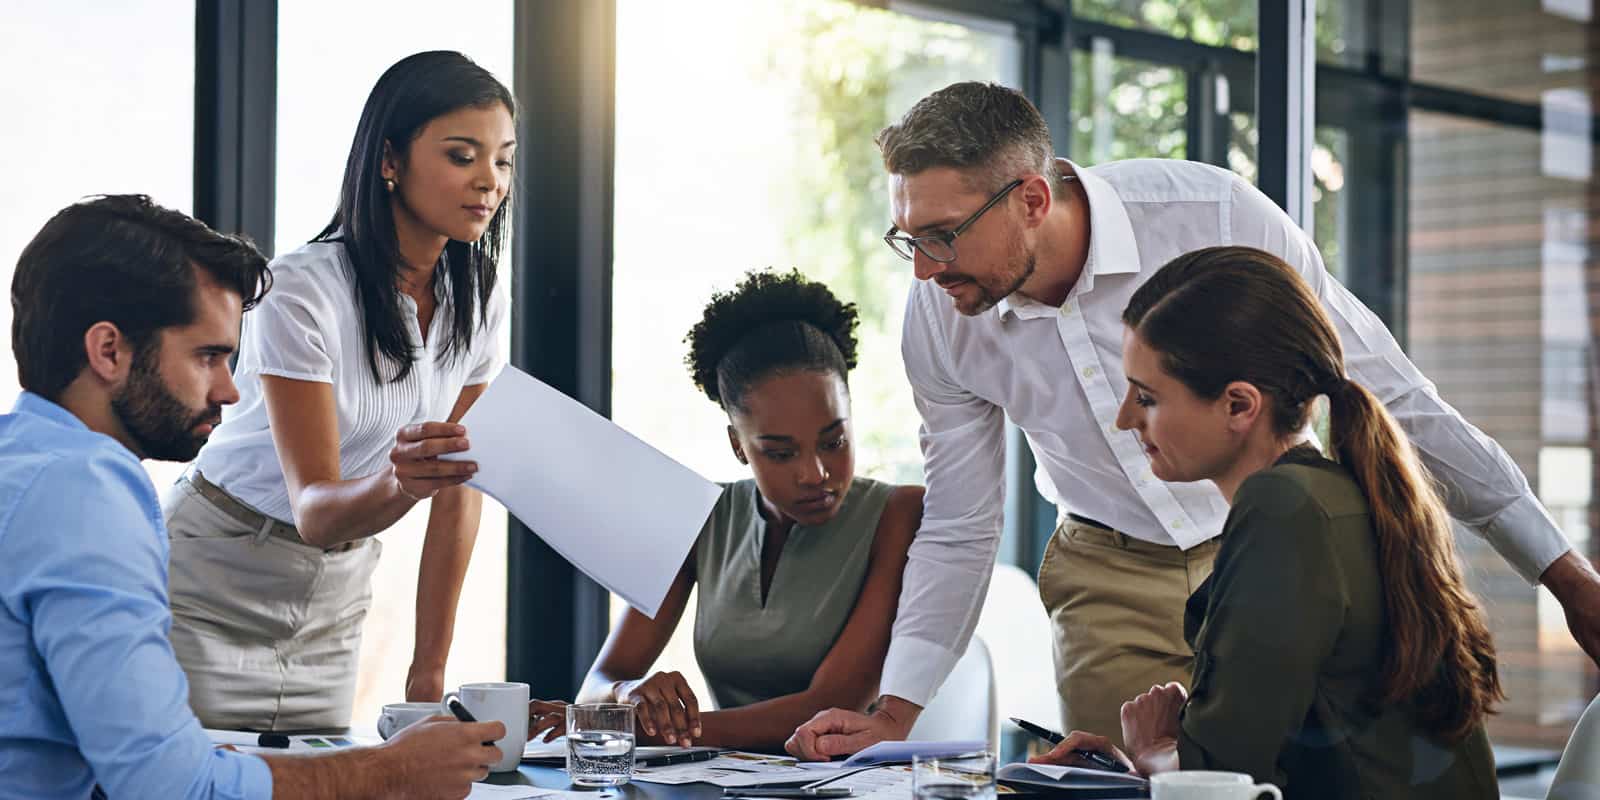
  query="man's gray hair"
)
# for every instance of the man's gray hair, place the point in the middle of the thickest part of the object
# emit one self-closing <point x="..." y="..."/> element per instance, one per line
<point x="992" y="133"/>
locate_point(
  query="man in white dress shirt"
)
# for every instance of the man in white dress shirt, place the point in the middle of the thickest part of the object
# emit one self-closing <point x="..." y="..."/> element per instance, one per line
<point x="1024" y="265"/>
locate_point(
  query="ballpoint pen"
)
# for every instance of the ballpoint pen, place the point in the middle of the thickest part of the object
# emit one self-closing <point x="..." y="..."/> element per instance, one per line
<point x="1094" y="757"/>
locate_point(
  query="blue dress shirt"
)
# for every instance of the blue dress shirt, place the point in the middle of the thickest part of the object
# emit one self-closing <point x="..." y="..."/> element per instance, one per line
<point x="90" y="692"/>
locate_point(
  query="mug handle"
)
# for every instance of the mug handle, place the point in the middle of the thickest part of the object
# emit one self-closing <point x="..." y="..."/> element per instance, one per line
<point x="385" y="721"/>
<point x="1267" y="788"/>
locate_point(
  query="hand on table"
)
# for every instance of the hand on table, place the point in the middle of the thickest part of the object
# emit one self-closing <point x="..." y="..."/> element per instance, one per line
<point x="664" y="707"/>
<point x="840" y="732"/>
<point x="424" y="684"/>
<point x="548" y="717"/>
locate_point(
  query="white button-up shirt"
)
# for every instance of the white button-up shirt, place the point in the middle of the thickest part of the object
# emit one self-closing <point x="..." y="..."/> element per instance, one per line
<point x="1057" y="373"/>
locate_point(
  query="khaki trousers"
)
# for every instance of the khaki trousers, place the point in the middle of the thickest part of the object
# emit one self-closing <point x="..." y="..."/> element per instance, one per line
<point x="268" y="630"/>
<point x="1116" y="604"/>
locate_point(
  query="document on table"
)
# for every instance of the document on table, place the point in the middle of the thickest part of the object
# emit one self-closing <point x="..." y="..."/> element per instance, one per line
<point x="618" y="509"/>
<point x="490" y="791"/>
<point x="729" y="770"/>
<point x="247" y="742"/>
<point x="1052" y="777"/>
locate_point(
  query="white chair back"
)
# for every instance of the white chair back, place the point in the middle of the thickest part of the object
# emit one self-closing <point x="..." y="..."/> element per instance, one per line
<point x="1020" y="638"/>
<point x="964" y="708"/>
<point x="1578" y="775"/>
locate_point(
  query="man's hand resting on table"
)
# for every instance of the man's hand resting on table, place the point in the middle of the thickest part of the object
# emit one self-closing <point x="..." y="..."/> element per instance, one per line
<point x="839" y="732"/>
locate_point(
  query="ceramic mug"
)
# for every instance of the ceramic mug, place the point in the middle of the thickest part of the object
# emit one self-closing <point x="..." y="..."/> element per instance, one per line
<point x="1203" y="785"/>
<point x="503" y="702"/>
<point x="399" y="716"/>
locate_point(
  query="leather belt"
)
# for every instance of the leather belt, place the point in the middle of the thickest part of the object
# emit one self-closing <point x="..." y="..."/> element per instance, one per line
<point x="1093" y="523"/>
<point x="263" y="524"/>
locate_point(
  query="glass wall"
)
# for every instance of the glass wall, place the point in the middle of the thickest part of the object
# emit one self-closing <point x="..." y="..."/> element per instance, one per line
<point x="758" y="153"/>
<point x="1500" y="282"/>
<point x="116" y="116"/>
<point x="329" y="56"/>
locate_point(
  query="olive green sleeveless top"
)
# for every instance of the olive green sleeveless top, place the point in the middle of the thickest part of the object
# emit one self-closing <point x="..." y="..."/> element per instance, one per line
<point x="750" y="652"/>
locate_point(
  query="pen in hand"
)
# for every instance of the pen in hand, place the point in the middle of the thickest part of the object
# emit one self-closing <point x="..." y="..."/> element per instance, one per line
<point x="1095" y="757"/>
<point x="464" y="715"/>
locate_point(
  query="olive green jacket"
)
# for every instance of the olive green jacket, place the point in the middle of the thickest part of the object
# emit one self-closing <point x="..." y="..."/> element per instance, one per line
<point x="1289" y="633"/>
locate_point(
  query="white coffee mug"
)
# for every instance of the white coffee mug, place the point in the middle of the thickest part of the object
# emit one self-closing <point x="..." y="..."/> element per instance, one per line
<point x="1203" y="785"/>
<point x="503" y="702"/>
<point x="396" y="717"/>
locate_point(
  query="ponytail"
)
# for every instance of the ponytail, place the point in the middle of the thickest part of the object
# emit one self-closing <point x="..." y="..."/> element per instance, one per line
<point x="1440" y="655"/>
<point x="1225" y="314"/>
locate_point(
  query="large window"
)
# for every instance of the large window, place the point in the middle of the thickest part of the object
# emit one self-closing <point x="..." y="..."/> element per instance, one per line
<point x="758" y="153"/>
<point x="329" y="56"/>
<point x="115" y="116"/>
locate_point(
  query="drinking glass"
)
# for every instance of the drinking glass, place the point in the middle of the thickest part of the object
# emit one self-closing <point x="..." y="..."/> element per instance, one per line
<point x="599" y="743"/>
<point x="964" y="777"/>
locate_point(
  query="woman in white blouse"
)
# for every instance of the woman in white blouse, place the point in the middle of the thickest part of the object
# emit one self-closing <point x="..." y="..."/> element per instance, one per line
<point x="353" y="372"/>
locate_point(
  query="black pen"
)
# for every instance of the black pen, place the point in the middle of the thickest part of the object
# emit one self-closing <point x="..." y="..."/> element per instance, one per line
<point x="273" y="740"/>
<point x="1095" y="757"/>
<point x="679" y="758"/>
<point x="464" y="715"/>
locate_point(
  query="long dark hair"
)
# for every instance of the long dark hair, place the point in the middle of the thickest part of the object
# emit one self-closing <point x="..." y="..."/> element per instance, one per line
<point x="770" y="323"/>
<point x="416" y="90"/>
<point x="1226" y="314"/>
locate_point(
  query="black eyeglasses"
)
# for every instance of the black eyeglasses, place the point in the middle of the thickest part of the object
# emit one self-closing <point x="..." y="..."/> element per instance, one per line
<point x="941" y="247"/>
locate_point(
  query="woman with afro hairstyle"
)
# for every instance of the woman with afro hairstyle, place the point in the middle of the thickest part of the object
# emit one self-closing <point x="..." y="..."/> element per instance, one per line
<point x="798" y="566"/>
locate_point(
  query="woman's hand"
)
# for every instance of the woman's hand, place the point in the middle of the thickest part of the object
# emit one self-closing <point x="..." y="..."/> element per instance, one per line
<point x="1150" y="727"/>
<point x="1066" y="753"/>
<point x="548" y="717"/>
<point x="664" y="706"/>
<point x="418" y="470"/>
<point x="424" y="684"/>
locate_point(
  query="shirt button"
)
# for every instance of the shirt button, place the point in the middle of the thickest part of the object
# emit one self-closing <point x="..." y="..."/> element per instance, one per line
<point x="1176" y="524"/>
<point x="1088" y="372"/>
<point x="1112" y="429"/>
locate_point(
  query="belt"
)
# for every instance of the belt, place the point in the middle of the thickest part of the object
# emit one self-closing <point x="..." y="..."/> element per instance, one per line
<point x="1093" y="523"/>
<point x="263" y="524"/>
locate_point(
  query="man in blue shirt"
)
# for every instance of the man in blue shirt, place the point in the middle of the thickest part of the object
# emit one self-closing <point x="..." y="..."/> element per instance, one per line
<point x="125" y="315"/>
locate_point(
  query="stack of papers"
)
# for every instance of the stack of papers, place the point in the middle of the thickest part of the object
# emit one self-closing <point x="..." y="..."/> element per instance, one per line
<point x="730" y="770"/>
<point x="1076" y="782"/>
<point x="280" y="744"/>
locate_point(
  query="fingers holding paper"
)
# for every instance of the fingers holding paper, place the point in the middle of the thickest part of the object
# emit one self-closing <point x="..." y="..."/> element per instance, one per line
<point x="419" y="468"/>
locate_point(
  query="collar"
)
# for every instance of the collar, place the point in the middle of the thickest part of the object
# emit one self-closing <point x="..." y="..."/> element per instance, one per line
<point x="35" y="405"/>
<point x="1112" y="248"/>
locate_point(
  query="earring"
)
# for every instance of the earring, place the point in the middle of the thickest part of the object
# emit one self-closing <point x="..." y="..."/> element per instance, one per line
<point x="388" y="183"/>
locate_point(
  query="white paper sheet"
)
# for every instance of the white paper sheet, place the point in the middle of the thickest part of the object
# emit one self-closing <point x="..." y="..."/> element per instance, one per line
<point x="618" y="509"/>
<point x="728" y="770"/>
<point x="1066" y="777"/>
<point x="490" y="791"/>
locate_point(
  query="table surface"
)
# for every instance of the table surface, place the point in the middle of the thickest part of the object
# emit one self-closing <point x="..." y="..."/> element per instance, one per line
<point x="554" y="778"/>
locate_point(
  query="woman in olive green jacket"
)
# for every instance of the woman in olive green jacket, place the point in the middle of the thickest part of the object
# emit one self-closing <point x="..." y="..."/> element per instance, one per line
<point x="1338" y="652"/>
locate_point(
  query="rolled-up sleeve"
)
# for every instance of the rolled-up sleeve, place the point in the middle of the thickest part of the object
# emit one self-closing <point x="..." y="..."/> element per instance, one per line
<point x="1484" y="488"/>
<point x="952" y="558"/>
<point x="94" y="598"/>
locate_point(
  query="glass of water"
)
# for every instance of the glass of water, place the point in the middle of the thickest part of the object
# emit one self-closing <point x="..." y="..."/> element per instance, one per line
<point x="969" y="776"/>
<point x="600" y="743"/>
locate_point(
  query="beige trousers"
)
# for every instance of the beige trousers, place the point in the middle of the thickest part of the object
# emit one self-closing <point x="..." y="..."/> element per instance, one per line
<point x="1116" y="604"/>
<point x="268" y="630"/>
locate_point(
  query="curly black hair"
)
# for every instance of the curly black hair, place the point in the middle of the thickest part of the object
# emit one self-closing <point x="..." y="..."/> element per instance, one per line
<point x="771" y="322"/>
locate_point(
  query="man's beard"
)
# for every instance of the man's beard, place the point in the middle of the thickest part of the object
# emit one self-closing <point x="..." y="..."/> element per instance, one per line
<point x="157" y="421"/>
<point x="1000" y="287"/>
